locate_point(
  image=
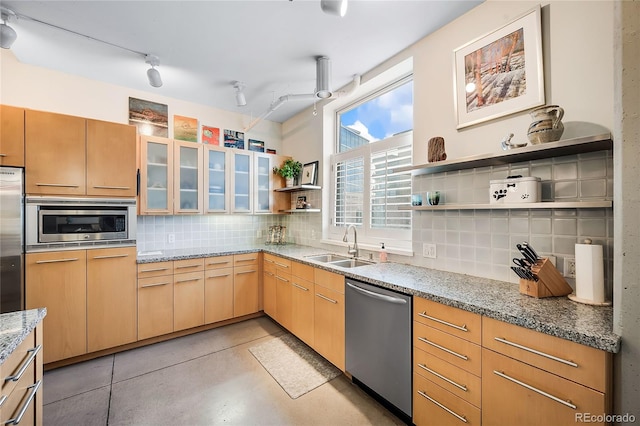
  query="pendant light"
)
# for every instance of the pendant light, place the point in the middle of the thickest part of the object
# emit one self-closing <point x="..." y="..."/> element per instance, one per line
<point x="7" y="34"/>
<point x="323" y="75"/>
<point x="334" y="7"/>
<point x="155" y="80"/>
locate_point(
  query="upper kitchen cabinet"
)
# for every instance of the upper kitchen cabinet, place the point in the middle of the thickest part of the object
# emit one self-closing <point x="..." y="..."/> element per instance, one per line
<point x="188" y="178"/>
<point x="266" y="182"/>
<point x="216" y="179"/>
<point x="241" y="200"/>
<point x="156" y="176"/>
<point x="55" y="154"/>
<point x="11" y="136"/>
<point x="111" y="159"/>
<point x="67" y="155"/>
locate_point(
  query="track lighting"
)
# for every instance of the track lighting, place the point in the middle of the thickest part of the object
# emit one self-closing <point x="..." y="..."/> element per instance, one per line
<point x="152" y="73"/>
<point x="334" y="7"/>
<point x="7" y="34"/>
<point x="323" y="74"/>
<point x="240" y="98"/>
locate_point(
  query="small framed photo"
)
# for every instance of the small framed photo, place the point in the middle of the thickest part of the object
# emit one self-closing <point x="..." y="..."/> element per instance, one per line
<point x="309" y="173"/>
<point x="300" y="203"/>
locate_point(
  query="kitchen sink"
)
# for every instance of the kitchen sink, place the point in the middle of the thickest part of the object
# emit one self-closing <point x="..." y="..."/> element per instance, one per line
<point x="326" y="258"/>
<point x="350" y="263"/>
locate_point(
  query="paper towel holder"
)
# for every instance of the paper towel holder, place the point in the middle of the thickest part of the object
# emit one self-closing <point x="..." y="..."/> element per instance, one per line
<point x="575" y="298"/>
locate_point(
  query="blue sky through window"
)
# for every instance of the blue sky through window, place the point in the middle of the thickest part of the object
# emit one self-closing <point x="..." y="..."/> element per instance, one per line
<point x="383" y="116"/>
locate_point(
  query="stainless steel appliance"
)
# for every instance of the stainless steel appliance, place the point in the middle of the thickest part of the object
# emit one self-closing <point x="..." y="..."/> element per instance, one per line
<point x="11" y="239"/>
<point x="378" y="344"/>
<point x="54" y="223"/>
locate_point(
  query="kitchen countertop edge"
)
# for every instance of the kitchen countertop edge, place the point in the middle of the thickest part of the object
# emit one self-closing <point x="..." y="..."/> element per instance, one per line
<point x="10" y="337"/>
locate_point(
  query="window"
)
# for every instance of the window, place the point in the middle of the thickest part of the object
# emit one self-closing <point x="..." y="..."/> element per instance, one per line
<point x="374" y="138"/>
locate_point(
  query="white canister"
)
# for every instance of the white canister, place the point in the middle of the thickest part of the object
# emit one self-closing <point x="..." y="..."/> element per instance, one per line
<point x="514" y="190"/>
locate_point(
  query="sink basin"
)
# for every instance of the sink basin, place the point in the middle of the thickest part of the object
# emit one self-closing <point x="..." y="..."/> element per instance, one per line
<point x="325" y="258"/>
<point x="350" y="263"/>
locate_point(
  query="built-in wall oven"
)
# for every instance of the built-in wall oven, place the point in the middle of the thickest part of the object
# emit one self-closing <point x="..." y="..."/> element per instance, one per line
<point x="54" y="223"/>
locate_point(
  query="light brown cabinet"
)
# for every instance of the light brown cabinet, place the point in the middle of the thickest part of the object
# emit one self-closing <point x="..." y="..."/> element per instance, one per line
<point x="188" y="178"/>
<point x="21" y="393"/>
<point x="329" y="317"/>
<point x="188" y="293"/>
<point x="265" y="182"/>
<point x="302" y="302"/>
<point x="269" y="285"/>
<point x="155" y="299"/>
<point x="111" y="298"/>
<point x="57" y="281"/>
<point x="218" y="289"/>
<point x="68" y="155"/>
<point x="284" y="307"/>
<point x="11" y="136"/>
<point x="156" y="176"/>
<point x="247" y="291"/>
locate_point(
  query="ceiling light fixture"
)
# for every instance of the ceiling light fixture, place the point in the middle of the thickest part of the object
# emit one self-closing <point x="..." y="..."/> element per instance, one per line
<point x="155" y="80"/>
<point x="240" y="98"/>
<point x="323" y="77"/>
<point x="334" y="7"/>
<point x="7" y="34"/>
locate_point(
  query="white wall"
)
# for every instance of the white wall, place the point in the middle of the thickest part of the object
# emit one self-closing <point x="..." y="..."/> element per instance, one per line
<point x="48" y="90"/>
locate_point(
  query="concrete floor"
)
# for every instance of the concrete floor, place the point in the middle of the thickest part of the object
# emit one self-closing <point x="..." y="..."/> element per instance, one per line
<point x="207" y="378"/>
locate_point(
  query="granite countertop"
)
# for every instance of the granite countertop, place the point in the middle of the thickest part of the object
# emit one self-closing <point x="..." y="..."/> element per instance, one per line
<point x="15" y="327"/>
<point x="557" y="316"/>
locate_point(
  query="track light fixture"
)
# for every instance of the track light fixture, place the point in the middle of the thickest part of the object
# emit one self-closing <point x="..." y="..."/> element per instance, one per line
<point x="240" y="98"/>
<point x="334" y="7"/>
<point x="323" y="76"/>
<point x="152" y="73"/>
<point x="7" y="34"/>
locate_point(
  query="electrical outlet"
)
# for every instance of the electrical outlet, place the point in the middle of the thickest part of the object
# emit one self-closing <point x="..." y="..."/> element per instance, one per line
<point x="171" y="238"/>
<point x="259" y="233"/>
<point x="429" y="250"/>
<point x="570" y="267"/>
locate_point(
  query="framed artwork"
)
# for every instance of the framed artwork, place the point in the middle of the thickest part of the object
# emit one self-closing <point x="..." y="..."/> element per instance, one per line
<point x="185" y="128"/>
<point x="257" y="146"/>
<point x="500" y="73"/>
<point x="271" y="151"/>
<point x="151" y="118"/>
<point x="301" y="201"/>
<point x="210" y="135"/>
<point x="233" y="139"/>
<point x="309" y="173"/>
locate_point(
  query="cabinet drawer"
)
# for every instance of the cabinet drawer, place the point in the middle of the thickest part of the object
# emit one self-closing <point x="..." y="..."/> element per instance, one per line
<point x="248" y="259"/>
<point x="458" y="322"/>
<point x="282" y="263"/>
<point x="517" y="393"/>
<point x="329" y="280"/>
<point x="22" y="356"/>
<point x="303" y="271"/>
<point x="218" y="262"/>
<point x="433" y="405"/>
<point x="580" y="363"/>
<point x="269" y="263"/>
<point x="22" y="398"/>
<point x="456" y="380"/>
<point x="156" y="269"/>
<point x="188" y="265"/>
<point x="454" y="350"/>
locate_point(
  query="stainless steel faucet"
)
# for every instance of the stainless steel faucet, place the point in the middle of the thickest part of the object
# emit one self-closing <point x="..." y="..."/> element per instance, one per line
<point x="354" y="251"/>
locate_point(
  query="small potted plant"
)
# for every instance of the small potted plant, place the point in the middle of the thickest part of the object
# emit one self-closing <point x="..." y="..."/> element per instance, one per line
<point x="289" y="170"/>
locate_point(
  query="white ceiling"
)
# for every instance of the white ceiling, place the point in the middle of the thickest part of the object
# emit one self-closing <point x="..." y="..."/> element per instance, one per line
<point x="203" y="46"/>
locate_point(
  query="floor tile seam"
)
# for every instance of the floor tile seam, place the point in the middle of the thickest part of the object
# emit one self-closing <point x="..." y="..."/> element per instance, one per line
<point x="77" y="394"/>
<point x="113" y="368"/>
<point x="278" y="334"/>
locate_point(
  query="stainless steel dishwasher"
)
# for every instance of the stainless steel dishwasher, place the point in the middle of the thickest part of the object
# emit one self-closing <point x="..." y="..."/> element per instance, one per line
<point x="378" y="344"/>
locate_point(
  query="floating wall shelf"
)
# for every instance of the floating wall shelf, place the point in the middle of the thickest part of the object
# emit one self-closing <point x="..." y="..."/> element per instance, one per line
<point x="298" y="188"/>
<point x="301" y="211"/>
<point x="521" y="206"/>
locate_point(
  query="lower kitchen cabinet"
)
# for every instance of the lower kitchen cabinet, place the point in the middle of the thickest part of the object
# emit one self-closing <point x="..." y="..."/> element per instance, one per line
<point x="111" y="298"/>
<point x="329" y="315"/>
<point x="432" y="405"/>
<point x="218" y="295"/>
<point x="269" y="286"/>
<point x="155" y="305"/>
<point x="188" y="294"/>
<point x="57" y="280"/>
<point x="302" y="302"/>
<point x="246" y="291"/>
<point x="284" y="304"/>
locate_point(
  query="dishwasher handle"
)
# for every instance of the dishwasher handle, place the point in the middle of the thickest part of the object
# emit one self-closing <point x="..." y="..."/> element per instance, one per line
<point x="378" y="296"/>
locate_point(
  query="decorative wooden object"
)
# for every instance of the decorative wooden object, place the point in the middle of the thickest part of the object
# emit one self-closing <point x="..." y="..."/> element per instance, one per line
<point x="550" y="281"/>
<point x="436" y="150"/>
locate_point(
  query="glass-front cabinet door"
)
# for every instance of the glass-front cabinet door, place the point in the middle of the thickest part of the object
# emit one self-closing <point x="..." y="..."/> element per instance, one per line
<point x="216" y="179"/>
<point x="188" y="178"/>
<point x="156" y="175"/>
<point x="262" y="183"/>
<point x="241" y="198"/>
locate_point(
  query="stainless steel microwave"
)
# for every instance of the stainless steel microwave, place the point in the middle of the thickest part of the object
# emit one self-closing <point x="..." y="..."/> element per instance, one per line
<point x="54" y="223"/>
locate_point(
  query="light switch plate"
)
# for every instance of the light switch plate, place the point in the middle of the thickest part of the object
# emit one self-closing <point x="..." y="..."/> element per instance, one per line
<point x="171" y="238"/>
<point x="429" y="250"/>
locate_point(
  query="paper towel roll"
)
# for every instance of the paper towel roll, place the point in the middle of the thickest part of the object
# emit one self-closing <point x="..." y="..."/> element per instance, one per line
<point x="589" y="272"/>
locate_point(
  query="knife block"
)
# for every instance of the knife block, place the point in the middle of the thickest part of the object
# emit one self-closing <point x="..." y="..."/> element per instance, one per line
<point x="550" y="281"/>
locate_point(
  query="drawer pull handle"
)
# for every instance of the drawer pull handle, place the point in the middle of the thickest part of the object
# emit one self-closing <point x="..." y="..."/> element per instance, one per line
<point x="124" y="188"/>
<point x="113" y="256"/>
<point x="219" y="276"/>
<point x="34" y="389"/>
<point x="269" y="273"/>
<point x="25" y="365"/>
<point x="459" y="386"/>
<point x="246" y="272"/>
<point x="300" y="287"/>
<point x="154" y="285"/>
<point x="3" y="155"/>
<point x="281" y="265"/>
<point x="3" y="398"/>
<point x="525" y="348"/>
<point x="269" y="261"/>
<point x="187" y="266"/>
<point x="462" y="327"/>
<point x="326" y="298"/>
<point x="541" y="392"/>
<point x="57" y="185"/>
<point x="442" y="348"/>
<point x="218" y="263"/>
<point x="71" y="259"/>
<point x="448" y="410"/>
<point x="154" y="270"/>
<point x="253" y="259"/>
<point x="282" y="279"/>
<point x="187" y="281"/>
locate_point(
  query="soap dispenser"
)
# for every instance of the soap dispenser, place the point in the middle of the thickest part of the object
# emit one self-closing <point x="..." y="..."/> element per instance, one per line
<point x="383" y="254"/>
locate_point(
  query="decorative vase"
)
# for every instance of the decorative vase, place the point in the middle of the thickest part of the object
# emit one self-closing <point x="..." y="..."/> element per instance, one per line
<point x="546" y="125"/>
<point x="288" y="182"/>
